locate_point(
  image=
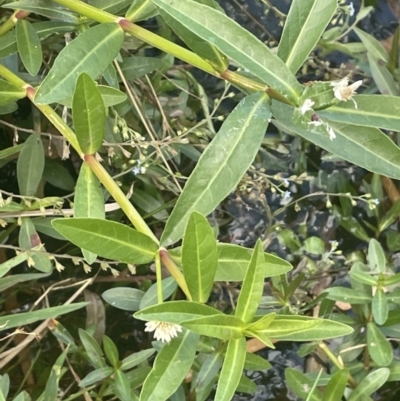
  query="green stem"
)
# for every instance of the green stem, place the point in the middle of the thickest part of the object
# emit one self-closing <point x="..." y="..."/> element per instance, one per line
<point x="336" y="362"/>
<point x="88" y="11"/>
<point x="57" y="121"/>
<point x="159" y="279"/>
<point x="10" y="23"/>
<point x="119" y="197"/>
<point x="12" y="78"/>
<point x="175" y="272"/>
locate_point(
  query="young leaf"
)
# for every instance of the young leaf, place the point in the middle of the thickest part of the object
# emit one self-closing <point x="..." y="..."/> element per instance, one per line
<point x="234" y="41"/>
<point x="219" y="326"/>
<point x="252" y="288"/>
<point x="111" y="351"/>
<point x="22" y="319"/>
<point x="222" y="164"/>
<point x="208" y="372"/>
<point x="199" y="257"/>
<point x="170" y="367"/>
<point x="370" y="384"/>
<point x="305" y="24"/>
<point x="176" y="312"/>
<point x="29" y="46"/>
<point x="91" y="52"/>
<point x="169" y="286"/>
<point x="232" y="368"/>
<point x="372" y="111"/>
<point x="89" y="114"/>
<point x="352" y="143"/>
<point x="141" y="10"/>
<point x="376" y="257"/>
<point x="30" y="165"/>
<point x="135" y="359"/>
<point x="93" y="350"/>
<point x="348" y="295"/>
<point x="96" y="376"/>
<point x="379" y="347"/>
<point x="109" y="239"/>
<point x="122" y="386"/>
<point x="337" y="384"/>
<point x="380" y="307"/>
<point x="88" y="201"/>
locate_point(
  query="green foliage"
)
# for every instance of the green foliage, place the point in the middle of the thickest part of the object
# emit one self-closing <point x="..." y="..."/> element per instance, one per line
<point x="144" y="134"/>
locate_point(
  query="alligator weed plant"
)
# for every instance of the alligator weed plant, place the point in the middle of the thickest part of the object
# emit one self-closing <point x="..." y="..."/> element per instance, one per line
<point x="85" y="70"/>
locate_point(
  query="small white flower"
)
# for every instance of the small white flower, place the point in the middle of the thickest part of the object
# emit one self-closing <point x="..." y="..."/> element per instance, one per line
<point x="351" y="9"/>
<point x="136" y="170"/>
<point x="331" y="133"/>
<point x="163" y="331"/>
<point x="286" y="182"/>
<point x="376" y="201"/>
<point x="287" y="195"/>
<point x="343" y="91"/>
<point x="306" y="106"/>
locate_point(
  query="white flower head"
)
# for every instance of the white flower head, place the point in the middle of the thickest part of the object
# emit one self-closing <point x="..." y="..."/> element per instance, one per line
<point x="351" y="9"/>
<point x="306" y="106"/>
<point x="163" y="331"/>
<point x="343" y="91"/>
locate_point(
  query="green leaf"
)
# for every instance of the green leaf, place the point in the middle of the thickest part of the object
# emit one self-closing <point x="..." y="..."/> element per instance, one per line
<point x="111" y="96"/>
<point x="137" y="358"/>
<point x="30" y="165"/>
<point x="29" y="46"/>
<point x="56" y="174"/>
<point x="301" y="385"/>
<point x="109" y="239"/>
<point x="88" y="201"/>
<point x="232" y="368"/>
<point x="336" y="386"/>
<point x="122" y="387"/>
<point x="111" y="351"/>
<point x="10" y="93"/>
<point x="204" y="48"/>
<point x="13" y="279"/>
<point x="51" y="391"/>
<point x="234" y="41"/>
<point x="372" y="45"/>
<point x="377" y="111"/>
<point x="141" y="10"/>
<point x="253" y="285"/>
<point x="370" y="384"/>
<point x="256" y="362"/>
<point x="92" y="348"/>
<point x="148" y="203"/>
<point x="207" y="375"/>
<point x="379" y="347"/>
<point x="302" y="328"/>
<point x="91" y="52"/>
<point x="135" y="67"/>
<point x="362" y="277"/>
<point x="348" y="295"/>
<point x="219" y="326"/>
<point x="112" y="7"/>
<point x="305" y="24"/>
<point x="124" y="298"/>
<point x="382" y="77"/>
<point x="170" y="368"/>
<point x="176" y="312"/>
<point x="45" y="8"/>
<point x="222" y="164"/>
<point x="366" y="147"/>
<point x="5" y="267"/>
<point x="380" y="307"/>
<point x="233" y="261"/>
<point x="43" y="225"/>
<point x="28" y="239"/>
<point x="23" y="319"/>
<point x="89" y="114"/>
<point x="376" y="257"/>
<point x="390" y="217"/>
<point x="150" y="298"/>
<point x="199" y="257"/>
<point x="96" y="376"/>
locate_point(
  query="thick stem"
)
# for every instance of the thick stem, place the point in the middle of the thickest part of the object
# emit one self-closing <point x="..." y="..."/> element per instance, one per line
<point x="88" y="11"/>
<point x="175" y="272"/>
<point x="119" y="196"/>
